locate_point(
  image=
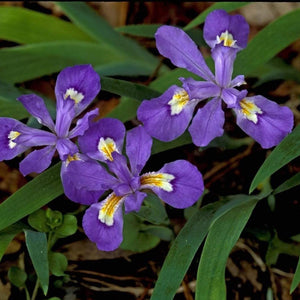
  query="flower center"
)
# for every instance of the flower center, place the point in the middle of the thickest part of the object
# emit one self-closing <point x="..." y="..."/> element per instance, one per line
<point x="227" y="39"/>
<point x="11" y="137"/>
<point x="161" y="180"/>
<point x="250" y="110"/>
<point x="74" y="95"/>
<point x="108" y="209"/>
<point x="178" y="101"/>
<point x="107" y="147"/>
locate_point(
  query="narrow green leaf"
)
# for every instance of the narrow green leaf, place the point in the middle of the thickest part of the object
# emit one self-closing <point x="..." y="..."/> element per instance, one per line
<point x="264" y="46"/>
<point x="182" y="253"/>
<point x="90" y="22"/>
<point x="35" y="194"/>
<point x="221" y="238"/>
<point x="128" y="89"/>
<point x="287" y="150"/>
<point x="26" y="26"/>
<point x="17" y="276"/>
<point x="228" y="6"/>
<point x="36" y="243"/>
<point x="296" y="279"/>
<point x="41" y="59"/>
<point x="8" y="234"/>
<point x="142" y="30"/>
<point x="290" y="183"/>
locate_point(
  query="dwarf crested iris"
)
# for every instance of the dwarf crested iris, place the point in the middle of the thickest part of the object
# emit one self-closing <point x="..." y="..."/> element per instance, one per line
<point x="177" y="183"/>
<point x="75" y="89"/>
<point x="169" y="115"/>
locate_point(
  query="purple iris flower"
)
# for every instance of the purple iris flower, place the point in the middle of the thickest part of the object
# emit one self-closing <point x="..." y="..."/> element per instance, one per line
<point x="169" y="115"/>
<point x="75" y="89"/>
<point x="178" y="183"/>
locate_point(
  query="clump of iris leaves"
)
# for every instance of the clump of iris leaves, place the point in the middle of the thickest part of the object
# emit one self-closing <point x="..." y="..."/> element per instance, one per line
<point x="44" y="50"/>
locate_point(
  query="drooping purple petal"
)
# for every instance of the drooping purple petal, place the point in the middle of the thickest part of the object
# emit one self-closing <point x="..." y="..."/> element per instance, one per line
<point x="138" y="148"/>
<point x="36" y="106"/>
<point x="83" y="124"/>
<point x="224" y="59"/>
<point x="264" y="120"/>
<point x="232" y="96"/>
<point x="181" y="184"/>
<point x="72" y="188"/>
<point x="111" y="131"/>
<point x="80" y="83"/>
<point x="176" y="45"/>
<point x="133" y="202"/>
<point x="158" y="120"/>
<point x="37" y="161"/>
<point x="219" y="21"/>
<point x="65" y="147"/>
<point x="8" y="134"/>
<point x="107" y="238"/>
<point x="208" y="123"/>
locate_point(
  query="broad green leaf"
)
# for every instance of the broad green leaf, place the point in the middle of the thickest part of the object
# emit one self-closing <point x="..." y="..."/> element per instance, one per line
<point x="17" y="276"/>
<point x="153" y="211"/>
<point x="287" y="150"/>
<point x="290" y="183"/>
<point x="134" y="238"/>
<point x="8" y="234"/>
<point x="142" y="30"/>
<point x="221" y="238"/>
<point x="264" y="45"/>
<point x="228" y="6"/>
<point x="36" y="243"/>
<point x="41" y="59"/>
<point x="68" y="226"/>
<point x="296" y="279"/>
<point x="38" y="221"/>
<point x="162" y="232"/>
<point x="58" y="263"/>
<point x="90" y="22"/>
<point x="32" y="196"/>
<point x="26" y="26"/>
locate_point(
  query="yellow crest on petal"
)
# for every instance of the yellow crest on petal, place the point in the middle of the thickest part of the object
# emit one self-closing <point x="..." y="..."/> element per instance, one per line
<point x="179" y="101"/>
<point x="250" y="110"/>
<point x="107" y="147"/>
<point x="11" y="137"/>
<point x="161" y="180"/>
<point x="74" y="95"/>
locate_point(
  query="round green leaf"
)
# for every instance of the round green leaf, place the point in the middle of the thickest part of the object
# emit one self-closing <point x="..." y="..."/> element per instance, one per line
<point x="68" y="226"/>
<point x="58" y="263"/>
<point x="17" y="276"/>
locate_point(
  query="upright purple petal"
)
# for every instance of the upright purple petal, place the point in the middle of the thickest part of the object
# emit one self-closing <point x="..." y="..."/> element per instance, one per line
<point x="119" y="167"/>
<point x="264" y="120"/>
<point x="138" y="148"/>
<point x="156" y="115"/>
<point x="80" y="83"/>
<point x="36" y="106"/>
<point x="9" y="148"/>
<point x="103" y="138"/>
<point x="176" y="45"/>
<point x="224" y="59"/>
<point x="133" y="202"/>
<point x="178" y="183"/>
<point x="200" y="90"/>
<point x="107" y="238"/>
<point x="208" y="123"/>
<point x="37" y="161"/>
<point x="219" y="22"/>
<point x="232" y="96"/>
<point x="84" y="123"/>
<point x="65" y="147"/>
